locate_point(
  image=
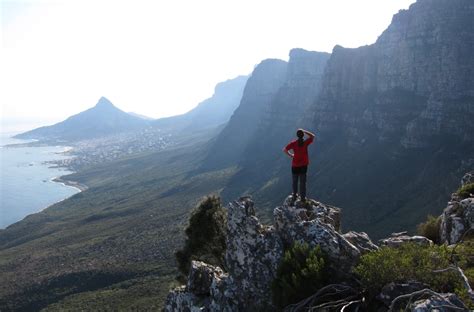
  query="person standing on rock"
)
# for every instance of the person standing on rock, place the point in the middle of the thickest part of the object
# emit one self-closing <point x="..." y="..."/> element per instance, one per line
<point x="300" y="160"/>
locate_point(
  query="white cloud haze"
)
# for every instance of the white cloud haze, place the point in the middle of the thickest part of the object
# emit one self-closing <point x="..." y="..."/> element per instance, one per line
<point x="159" y="58"/>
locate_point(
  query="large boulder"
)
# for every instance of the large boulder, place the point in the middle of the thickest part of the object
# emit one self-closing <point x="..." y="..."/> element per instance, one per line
<point x="194" y="296"/>
<point x="397" y="239"/>
<point x="315" y="224"/>
<point x="439" y="303"/>
<point x="179" y="300"/>
<point x="201" y="276"/>
<point x="458" y="217"/>
<point x="253" y="253"/>
<point x="361" y="240"/>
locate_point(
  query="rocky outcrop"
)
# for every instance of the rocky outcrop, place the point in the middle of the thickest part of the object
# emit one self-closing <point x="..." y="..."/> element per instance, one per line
<point x="440" y="303"/>
<point x="397" y="239"/>
<point x="252" y="257"/>
<point x="458" y="217"/>
<point x="361" y="240"/>
<point x="254" y="252"/>
<point x="315" y="224"/>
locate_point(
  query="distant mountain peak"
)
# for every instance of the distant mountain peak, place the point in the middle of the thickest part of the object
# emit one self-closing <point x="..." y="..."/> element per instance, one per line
<point x="104" y="102"/>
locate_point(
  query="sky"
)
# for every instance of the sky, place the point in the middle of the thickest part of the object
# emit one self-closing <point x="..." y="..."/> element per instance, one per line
<point x="158" y="58"/>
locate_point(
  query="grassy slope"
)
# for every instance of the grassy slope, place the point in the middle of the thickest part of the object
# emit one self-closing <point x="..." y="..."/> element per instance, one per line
<point x="111" y="245"/>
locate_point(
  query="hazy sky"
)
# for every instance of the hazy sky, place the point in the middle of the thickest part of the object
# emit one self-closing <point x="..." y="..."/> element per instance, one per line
<point x="158" y="58"/>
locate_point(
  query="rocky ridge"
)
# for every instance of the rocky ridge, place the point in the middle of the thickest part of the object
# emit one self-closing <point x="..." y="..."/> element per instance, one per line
<point x="254" y="251"/>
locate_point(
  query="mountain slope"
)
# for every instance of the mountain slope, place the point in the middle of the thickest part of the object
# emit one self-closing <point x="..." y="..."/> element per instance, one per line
<point x="211" y="112"/>
<point x="101" y="120"/>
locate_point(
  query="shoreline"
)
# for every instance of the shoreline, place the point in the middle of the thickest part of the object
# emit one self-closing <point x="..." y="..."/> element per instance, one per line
<point x="74" y="184"/>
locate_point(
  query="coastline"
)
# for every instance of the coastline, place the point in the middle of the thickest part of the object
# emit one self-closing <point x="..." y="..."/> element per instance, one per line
<point x="74" y="184"/>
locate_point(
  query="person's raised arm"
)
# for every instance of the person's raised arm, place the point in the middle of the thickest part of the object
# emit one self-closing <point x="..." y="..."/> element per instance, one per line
<point x="308" y="133"/>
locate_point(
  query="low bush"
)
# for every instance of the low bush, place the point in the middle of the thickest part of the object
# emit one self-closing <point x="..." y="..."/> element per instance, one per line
<point x="205" y="236"/>
<point x="430" y="228"/>
<point x="466" y="190"/>
<point x="412" y="262"/>
<point x="302" y="271"/>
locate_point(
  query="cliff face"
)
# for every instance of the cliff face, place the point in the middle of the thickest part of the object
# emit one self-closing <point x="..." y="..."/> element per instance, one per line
<point x="390" y="118"/>
<point x="414" y="86"/>
<point x="278" y="123"/>
<point x="260" y="89"/>
<point x="395" y="116"/>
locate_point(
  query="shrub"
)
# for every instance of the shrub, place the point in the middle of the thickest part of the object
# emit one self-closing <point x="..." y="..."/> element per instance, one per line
<point x="302" y="271"/>
<point x="413" y="262"/>
<point x="466" y="190"/>
<point x="430" y="228"/>
<point x="205" y="235"/>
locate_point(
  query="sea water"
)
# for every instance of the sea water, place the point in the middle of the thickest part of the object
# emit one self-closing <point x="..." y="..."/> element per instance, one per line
<point x="26" y="184"/>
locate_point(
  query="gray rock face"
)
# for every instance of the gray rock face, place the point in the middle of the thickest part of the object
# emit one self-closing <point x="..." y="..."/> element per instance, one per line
<point x="315" y="225"/>
<point x="411" y="85"/>
<point x="181" y="300"/>
<point x="254" y="252"/>
<point x="195" y="295"/>
<point x="361" y="240"/>
<point x="467" y="178"/>
<point x="439" y="304"/>
<point x="397" y="239"/>
<point x="457" y="218"/>
<point x="201" y="276"/>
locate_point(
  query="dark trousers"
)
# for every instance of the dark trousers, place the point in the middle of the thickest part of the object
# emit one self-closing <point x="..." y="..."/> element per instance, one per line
<point x="299" y="173"/>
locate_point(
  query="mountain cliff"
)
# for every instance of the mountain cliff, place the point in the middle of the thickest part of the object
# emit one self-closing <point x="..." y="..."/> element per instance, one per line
<point x="260" y="160"/>
<point x="395" y="116"/>
<point x="390" y="118"/>
<point x="260" y="89"/>
<point x="101" y="120"/>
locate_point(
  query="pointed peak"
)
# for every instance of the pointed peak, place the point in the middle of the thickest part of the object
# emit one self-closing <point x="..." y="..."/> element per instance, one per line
<point x="104" y="102"/>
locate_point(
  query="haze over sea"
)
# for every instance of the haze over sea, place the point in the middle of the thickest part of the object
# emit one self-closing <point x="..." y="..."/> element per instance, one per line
<point x="25" y="180"/>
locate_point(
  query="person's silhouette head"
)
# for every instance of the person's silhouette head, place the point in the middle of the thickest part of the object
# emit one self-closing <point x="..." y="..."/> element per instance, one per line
<point x="300" y="135"/>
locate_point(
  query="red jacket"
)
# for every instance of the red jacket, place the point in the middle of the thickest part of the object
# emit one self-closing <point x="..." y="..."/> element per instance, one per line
<point x="300" y="157"/>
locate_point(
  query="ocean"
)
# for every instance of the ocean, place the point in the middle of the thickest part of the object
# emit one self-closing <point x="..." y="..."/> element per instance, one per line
<point x="25" y="181"/>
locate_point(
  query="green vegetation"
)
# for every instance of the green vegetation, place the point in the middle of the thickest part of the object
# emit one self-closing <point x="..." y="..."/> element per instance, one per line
<point x="466" y="190"/>
<point x="301" y="273"/>
<point x="430" y="228"/>
<point x="120" y="235"/>
<point x="205" y="235"/>
<point x="412" y="262"/>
